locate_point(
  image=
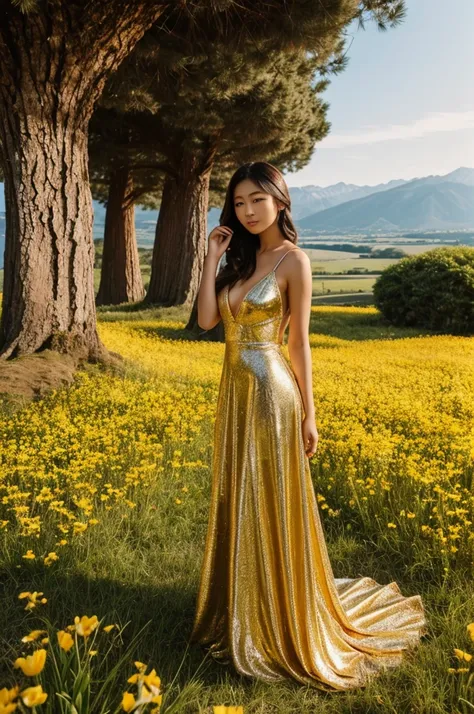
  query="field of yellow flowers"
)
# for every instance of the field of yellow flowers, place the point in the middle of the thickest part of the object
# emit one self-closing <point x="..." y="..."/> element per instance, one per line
<point x="104" y="491"/>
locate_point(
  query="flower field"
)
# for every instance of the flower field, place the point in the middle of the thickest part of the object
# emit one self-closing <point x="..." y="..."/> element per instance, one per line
<point x="104" y="491"/>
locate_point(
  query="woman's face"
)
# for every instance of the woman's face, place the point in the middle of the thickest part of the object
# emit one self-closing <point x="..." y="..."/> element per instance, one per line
<point x="254" y="208"/>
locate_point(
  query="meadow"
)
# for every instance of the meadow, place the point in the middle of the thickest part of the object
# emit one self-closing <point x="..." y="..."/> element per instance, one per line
<point x="104" y="493"/>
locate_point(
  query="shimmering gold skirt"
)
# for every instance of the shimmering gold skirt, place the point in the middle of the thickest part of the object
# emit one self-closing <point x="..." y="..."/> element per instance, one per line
<point x="268" y="601"/>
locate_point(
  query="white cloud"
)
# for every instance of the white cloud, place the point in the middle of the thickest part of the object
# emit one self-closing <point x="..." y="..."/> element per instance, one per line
<point x="430" y="124"/>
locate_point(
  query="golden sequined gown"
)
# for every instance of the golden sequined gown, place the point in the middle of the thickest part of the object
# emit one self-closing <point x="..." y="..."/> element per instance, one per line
<point x="268" y="601"/>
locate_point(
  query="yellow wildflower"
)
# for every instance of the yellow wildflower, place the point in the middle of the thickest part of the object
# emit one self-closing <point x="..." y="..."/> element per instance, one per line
<point x="34" y="634"/>
<point x="32" y="599"/>
<point x="128" y="702"/>
<point x="152" y="679"/>
<point x="221" y="709"/>
<point x="391" y="525"/>
<point x="32" y="696"/>
<point x="470" y="630"/>
<point x="79" y="527"/>
<point x="33" y="664"/>
<point x="463" y="655"/>
<point x="6" y="699"/>
<point x="29" y="555"/>
<point x="65" y="640"/>
<point x="153" y="682"/>
<point x="107" y="628"/>
<point x="86" y="625"/>
<point x="8" y="695"/>
<point x="50" y="558"/>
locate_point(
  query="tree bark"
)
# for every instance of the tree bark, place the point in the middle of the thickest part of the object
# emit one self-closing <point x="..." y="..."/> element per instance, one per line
<point x="120" y="275"/>
<point x="181" y="232"/>
<point x="53" y="66"/>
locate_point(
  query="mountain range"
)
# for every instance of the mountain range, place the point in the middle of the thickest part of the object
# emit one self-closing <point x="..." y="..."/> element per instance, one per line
<point x="429" y="203"/>
<point x="443" y="202"/>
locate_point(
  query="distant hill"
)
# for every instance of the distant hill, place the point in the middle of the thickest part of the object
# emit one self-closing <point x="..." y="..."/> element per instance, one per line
<point x="421" y="204"/>
<point x="306" y="200"/>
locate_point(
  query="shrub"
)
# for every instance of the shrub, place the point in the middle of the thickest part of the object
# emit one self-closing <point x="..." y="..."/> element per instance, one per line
<point x="433" y="290"/>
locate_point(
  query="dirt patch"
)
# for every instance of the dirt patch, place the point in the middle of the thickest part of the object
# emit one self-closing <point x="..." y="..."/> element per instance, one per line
<point x="32" y="376"/>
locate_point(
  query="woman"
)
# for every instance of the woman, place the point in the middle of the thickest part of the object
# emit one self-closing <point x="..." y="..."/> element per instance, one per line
<point x="268" y="601"/>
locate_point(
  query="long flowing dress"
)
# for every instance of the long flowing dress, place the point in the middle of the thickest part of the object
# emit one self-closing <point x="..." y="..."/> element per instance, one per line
<point x="268" y="601"/>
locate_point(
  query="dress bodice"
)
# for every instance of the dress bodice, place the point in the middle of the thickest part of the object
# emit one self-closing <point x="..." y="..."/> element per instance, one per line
<point x="260" y="313"/>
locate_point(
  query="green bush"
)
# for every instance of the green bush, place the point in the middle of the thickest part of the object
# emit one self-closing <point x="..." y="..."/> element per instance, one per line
<point x="433" y="290"/>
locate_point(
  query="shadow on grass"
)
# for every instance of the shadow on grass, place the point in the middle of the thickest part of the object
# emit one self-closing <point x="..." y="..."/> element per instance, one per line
<point x="348" y="324"/>
<point x="167" y="614"/>
<point x="358" y="324"/>
<point x="163" y="643"/>
<point x="170" y="609"/>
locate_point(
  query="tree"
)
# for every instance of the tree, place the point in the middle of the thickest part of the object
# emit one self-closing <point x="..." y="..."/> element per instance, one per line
<point x="276" y="115"/>
<point x="118" y="181"/>
<point x="54" y="61"/>
<point x="55" y="56"/>
<point x="215" y="108"/>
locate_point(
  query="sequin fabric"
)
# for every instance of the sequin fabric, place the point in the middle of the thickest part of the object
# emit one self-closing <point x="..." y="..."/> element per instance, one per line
<point x="268" y="601"/>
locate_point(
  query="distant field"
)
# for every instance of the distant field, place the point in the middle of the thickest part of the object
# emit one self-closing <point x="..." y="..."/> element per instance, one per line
<point x="330" y="261"/>
<point x="413" y="249"/>
<point x="346" y="261"/>
<point x="341" y="284"/>
<point x="316" y="254"/>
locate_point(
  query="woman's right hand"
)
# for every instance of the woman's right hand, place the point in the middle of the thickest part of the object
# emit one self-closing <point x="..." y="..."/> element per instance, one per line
<point x="219" y="239"/>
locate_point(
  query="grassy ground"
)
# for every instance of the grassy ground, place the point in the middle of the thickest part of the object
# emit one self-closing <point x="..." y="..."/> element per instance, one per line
<point x="112" y="475"/>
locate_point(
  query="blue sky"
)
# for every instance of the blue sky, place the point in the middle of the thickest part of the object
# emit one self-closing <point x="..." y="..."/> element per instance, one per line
<point x="404" y="106"/>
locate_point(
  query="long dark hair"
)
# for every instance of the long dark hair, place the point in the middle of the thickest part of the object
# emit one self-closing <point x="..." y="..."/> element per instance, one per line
<point x="241" y="254"/>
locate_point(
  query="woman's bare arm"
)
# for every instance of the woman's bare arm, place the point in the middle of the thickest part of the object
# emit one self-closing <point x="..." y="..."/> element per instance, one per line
<point x="208" y="310"/>
<point x="300" y="290"/>
<point x="207" y="307"/>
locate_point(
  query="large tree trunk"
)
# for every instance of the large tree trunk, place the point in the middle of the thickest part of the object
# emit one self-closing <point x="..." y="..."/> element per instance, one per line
<point x="53" y="65"/>
<point x="181" y="233"/>
<point x="120" y="275"/>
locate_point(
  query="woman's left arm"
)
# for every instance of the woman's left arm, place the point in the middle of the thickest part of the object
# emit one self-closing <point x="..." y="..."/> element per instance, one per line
<point x="300" y="291"/>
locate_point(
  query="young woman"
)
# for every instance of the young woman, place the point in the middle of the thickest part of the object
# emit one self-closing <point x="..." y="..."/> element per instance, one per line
<point x="268" y="601"/>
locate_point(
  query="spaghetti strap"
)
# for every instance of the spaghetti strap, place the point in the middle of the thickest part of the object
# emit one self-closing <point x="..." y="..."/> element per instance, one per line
<point x="283" y="256"/>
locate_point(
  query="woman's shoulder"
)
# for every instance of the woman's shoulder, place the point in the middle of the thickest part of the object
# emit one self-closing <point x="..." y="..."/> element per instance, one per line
<point x="299" y="254"/>
<point x="298" y="264"/>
